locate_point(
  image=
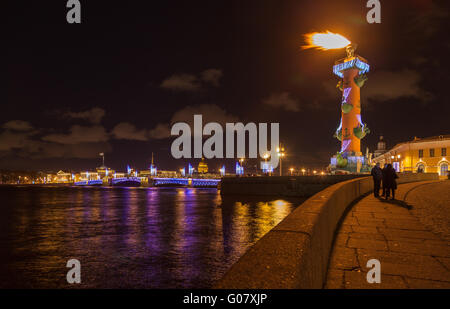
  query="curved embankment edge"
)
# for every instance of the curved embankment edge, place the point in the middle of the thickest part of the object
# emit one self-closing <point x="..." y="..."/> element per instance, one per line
<point x="295" y="253"/>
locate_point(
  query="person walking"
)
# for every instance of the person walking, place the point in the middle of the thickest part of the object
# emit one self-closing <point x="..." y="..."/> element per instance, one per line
<point x="377" y="176"/>
<point x="383" y="172"/>
<point x="390" y="182"/>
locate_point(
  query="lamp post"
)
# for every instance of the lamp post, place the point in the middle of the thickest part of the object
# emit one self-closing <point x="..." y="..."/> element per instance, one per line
<point x="281" y="154"/>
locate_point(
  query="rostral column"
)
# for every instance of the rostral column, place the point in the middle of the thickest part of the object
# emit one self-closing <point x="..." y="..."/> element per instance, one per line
<point x="351" y="130"/>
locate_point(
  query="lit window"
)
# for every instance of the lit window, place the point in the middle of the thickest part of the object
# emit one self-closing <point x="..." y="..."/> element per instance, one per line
<point x="420" y="153"/>
<point x="431" y="152"/>
<point x="443" y="152"/>
<point x="444" y="169"/>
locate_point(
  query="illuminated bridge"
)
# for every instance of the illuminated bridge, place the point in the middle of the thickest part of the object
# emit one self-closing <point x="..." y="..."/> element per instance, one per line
<point x="96" y="182"/>
<point x="189" y="182"/>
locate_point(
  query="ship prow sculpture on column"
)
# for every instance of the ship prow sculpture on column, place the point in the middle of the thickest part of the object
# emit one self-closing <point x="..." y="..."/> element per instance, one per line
<point x="352" y="70"/>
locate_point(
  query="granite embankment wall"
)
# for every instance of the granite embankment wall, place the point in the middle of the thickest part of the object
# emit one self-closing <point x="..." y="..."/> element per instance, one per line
<point x="295" y="253"/>
<point x="301" y="186"/>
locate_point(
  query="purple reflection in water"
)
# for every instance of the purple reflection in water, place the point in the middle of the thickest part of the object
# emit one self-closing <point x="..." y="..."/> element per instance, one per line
<point x="128" y="237"/>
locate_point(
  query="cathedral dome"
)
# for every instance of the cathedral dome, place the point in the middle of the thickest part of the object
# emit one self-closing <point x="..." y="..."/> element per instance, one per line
<point x="381" y="144"/>
<point x="202" y="167"/>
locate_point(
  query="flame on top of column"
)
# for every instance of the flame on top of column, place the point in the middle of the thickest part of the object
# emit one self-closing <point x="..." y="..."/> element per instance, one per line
<point x="325" y="41"/>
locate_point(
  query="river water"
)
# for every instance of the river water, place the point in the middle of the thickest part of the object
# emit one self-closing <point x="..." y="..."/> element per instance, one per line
<point x="128" y="237"/>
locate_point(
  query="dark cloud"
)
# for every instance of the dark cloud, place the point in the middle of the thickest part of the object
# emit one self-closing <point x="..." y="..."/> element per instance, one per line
<point x="18" y="125"/>
<point x="129" y="131"/>
<point x="126" y="130"/>
<point x="24" y="145"/>
<point x="385" y="85"/>
<point x="79" y="134"/>
<point x="426" y="20"/>
<point x="190" y="82"/>
<point x="388" y="85"/>
<point x="79" y="151"/>
<point x="282" y="100"/>
<point x="10" y="140"/>
<point x="181" y="82"/>
<point x="210" y="113"/>
<point x="161" y="131"/>
<point x="94" y="115"/>
<point x="212" y="76"/>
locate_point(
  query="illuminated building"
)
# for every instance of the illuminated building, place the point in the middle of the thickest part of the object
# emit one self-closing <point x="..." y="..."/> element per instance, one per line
<point x="351" y="130"/>
<point x="144" y="173"/>
<point x="104" y="171"/>
<point x="202" y="167"/>
<point x="429" y="155"/>
<point x="63" y="177"/>
<point x="168" y="174"/>
<point x="119" y="175"/>
<point x="89" y="176"/>
<point x="50" y="178"/>
<point x="162" y="174"/>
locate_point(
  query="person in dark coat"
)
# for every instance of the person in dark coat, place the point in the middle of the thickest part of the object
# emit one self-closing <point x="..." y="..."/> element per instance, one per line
<point x="389" y="181"/>
<point x="377" y="176"/>
<point x="383" y="172"/>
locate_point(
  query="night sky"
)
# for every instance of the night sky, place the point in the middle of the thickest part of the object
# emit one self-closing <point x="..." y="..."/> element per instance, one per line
<point x="115" y="82"/>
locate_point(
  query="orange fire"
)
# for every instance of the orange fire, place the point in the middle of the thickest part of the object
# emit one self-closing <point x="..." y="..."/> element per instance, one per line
<point x="325" y="41"/>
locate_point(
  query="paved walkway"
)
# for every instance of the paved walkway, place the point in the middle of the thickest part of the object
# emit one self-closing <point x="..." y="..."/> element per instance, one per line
<point x="411" y="256"/>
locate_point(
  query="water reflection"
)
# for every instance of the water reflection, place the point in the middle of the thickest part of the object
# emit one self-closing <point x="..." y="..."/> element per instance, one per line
<point x="128" y="237"/>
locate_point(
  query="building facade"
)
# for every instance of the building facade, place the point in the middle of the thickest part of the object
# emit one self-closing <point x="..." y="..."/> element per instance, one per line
<point x="426" y="155"/>
<point x="63" y="177"/>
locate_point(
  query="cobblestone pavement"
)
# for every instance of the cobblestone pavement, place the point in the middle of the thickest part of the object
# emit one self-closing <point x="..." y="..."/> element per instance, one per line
<point x="431" y="203"/>
<point x="411" y="255"/>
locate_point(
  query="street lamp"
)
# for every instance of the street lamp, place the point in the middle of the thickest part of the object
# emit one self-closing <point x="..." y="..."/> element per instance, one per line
<point x="291" y="170"/>
<point x="281" y="154"/>
<point x="266" y="156"/>
<point x="241" y="162"/>
<point x="303" y="171"/>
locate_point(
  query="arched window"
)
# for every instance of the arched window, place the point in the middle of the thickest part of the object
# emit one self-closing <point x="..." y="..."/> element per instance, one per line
<point x="420" y="168"/>
<point x="444" y="169"/>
